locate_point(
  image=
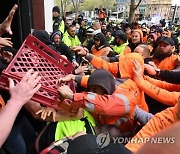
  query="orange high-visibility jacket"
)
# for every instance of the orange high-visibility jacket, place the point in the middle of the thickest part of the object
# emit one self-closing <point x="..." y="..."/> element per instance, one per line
<point x="162" y="95"/>
<point x="160" y="121"/>
<point x="118" y="108"/>
<point x="167" y="63"/>
<point x="120" y="103"/>
<point x="124" y="68"/>
<point x="127" y="50"/>
<point x="163" y="84"/>
<point x="102" y="52"/>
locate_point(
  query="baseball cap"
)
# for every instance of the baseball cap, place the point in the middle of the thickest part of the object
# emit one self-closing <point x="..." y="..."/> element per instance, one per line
<point x="90" y="31"/>
<point x="120" y="34"/>
<point x="167" y="40"/>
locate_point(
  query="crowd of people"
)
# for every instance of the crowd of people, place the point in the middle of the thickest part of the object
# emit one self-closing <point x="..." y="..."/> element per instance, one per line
<point x="127" y="85"/>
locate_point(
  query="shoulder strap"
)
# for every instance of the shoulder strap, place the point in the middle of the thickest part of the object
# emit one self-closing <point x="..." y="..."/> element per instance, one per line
<point x="89" y="127"/>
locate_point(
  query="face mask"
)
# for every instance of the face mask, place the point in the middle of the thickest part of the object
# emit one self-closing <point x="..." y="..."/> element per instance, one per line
<point x="77" y="31"/>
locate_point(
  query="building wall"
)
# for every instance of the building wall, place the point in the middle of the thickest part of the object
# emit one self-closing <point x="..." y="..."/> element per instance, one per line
<point x="38" y="11"/>
<point x="177" y="13"/>
<point x="122" y="6"/>
<point x="158" y="8"/>
<point x="148" y="8"/>
<point x="48" y="5"/>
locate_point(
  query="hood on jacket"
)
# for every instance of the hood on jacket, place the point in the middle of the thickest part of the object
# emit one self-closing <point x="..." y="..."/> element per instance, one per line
<point x="126" y="64"/>
<point x="43" y="36"/>
<point x="140" y="33"/>
<point x="53" y="34"/>
<point x="104" y="79"/>
<point x="103" y="41"/>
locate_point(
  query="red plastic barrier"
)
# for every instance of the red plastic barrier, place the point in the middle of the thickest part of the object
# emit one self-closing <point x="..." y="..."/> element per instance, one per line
<point x="36" y="55"/>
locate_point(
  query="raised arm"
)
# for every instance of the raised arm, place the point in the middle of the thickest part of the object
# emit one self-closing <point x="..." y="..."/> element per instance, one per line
<point x="5" y="27"/>
<point x="20" y="94"/>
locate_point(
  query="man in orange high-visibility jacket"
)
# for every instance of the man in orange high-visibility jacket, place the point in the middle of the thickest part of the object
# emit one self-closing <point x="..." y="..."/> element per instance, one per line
<point x="121" y="69"/>
<point x="108" y="103"/>
<point x="164" y="58"/>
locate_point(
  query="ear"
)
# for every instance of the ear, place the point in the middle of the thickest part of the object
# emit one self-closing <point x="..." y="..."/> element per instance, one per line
<point x="173" y="48"/>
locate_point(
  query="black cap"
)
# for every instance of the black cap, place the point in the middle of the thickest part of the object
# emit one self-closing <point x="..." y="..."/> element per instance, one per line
<point x="120" y="34"/>
<point x="167" y="40"/>
<point x="56" y="9"/>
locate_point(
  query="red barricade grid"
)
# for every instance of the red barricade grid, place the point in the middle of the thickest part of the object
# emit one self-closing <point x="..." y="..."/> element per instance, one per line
<point x="35" y="55"/>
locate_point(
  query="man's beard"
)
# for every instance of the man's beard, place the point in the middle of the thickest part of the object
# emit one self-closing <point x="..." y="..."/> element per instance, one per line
<point x="160" y="55"/>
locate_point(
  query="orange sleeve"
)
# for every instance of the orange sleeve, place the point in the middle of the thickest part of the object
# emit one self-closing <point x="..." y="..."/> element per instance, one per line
<point x="110" y="105"/>
<point x="132" y="87"/>
<point x="127" y="50"/>
<point x="84" y="81"/>
<point x="157" y="123"/>
<point x="2" y="103"/>
<point x="100" y="63"/>
<point x="163" y="84"/>
<point x="162" y="95"/>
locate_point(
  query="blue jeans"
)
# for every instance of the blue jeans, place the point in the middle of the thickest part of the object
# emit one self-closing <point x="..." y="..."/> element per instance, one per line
<point x="21" y="135"/>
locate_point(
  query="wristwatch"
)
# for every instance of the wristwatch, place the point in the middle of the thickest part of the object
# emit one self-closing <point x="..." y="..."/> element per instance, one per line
<point x="157" y="71"/>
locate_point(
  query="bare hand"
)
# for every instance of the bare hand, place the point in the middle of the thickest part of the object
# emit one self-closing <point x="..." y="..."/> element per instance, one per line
<point x="150" y="69"/>
<point x="47" y="111"/>
<point x="80" y="50"/>
<point x="6" y="25"/>
<point x="66" y="92"/>
<point x="8" y="56"/>
<point x="66" y="78"/>
<point x="6" y="42"/>
<point x="138" y="72"/>
<point x="152" y="64"/>
<point x="81" y="69"/>
<point x="75" y="64"/>
<point x="26" y="88"/>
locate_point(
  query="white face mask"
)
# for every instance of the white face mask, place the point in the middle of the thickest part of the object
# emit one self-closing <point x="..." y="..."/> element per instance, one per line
<point x="77" y="31"/>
